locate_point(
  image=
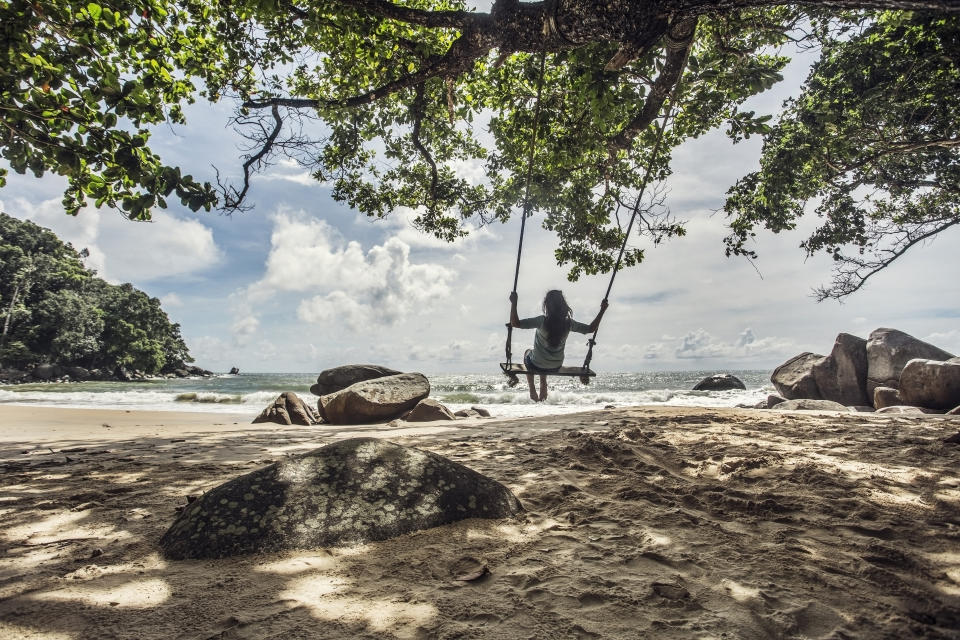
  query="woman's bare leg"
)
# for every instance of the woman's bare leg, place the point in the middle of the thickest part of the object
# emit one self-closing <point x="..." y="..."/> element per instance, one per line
<point x="543" y="387"/>
<point x="533" y="391"/>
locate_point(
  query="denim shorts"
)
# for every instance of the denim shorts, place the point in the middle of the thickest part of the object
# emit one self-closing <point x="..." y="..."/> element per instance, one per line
<point x="532" y="368"/>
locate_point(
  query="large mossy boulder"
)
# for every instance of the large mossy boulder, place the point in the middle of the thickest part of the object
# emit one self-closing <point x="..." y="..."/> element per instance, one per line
<point x="333" y="380"/>
<point x="720" y="382"/>
<point x="888" y="352"/>
<point x="352" y="491"/>
<point x="375" y="400"/>
<point x="794" y="379"/>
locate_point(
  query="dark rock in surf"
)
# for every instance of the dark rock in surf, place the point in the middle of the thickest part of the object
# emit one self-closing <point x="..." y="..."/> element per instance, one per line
<point x="288" y="408"/>
<point x="352" y="491"/>
<point x="375" y="400"/>
<point x="46" y="371"/>
<point x="78" y="373"/>
<point x="720" y="382"/>
<point x="333" y="380"/>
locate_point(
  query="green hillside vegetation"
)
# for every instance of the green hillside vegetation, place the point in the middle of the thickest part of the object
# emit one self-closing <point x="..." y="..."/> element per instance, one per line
<point x="55" y="310"/>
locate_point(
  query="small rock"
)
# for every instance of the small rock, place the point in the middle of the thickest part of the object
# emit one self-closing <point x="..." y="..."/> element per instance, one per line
<point x="905" y="409"/>
<point x="428" y="410"/>
<point x="483" y="412"/>
<point x="288" y="408"/>
<point x="804" y="404"/>
<point x="886" y="397"/>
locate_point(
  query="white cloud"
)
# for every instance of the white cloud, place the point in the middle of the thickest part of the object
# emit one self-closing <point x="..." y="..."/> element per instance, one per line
<point x="125" y="251"/>
<point x="379" y="286"/>
<point x="700" y="344"/>
<point x="291" y="171"/>
<point x="946" y="340"/>
<point x="171" y="300"/>
<point x="399" y="224"/>
<point x="243" y="328"/>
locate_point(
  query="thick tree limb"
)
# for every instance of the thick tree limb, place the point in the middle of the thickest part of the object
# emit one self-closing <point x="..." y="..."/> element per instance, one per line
<point x="437" y="19"/>
<point x="679" y="39"/>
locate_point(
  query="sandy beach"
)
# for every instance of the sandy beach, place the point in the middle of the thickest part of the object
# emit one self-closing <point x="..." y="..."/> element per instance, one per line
<point x="640" y="522"/>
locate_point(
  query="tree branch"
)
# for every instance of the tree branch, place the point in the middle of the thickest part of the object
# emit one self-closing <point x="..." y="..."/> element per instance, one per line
<point x="458" y="58"/>
<point x="233" y="199"/>
<point x="679" y="39"/>
<point x="853" y="273"/>
<point x="440" y="19"/>
<point x="418" y="111"/>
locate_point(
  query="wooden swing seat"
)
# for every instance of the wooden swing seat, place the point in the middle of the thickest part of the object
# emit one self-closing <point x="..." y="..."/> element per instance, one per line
<point x="521" y="369"/>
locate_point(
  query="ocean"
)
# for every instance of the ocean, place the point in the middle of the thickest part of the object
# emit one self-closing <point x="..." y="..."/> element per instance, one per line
<point x="251" y="392"/>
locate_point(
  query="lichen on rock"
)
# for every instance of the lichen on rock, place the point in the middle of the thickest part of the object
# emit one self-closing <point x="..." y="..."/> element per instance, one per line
<point x="356" y="490"/>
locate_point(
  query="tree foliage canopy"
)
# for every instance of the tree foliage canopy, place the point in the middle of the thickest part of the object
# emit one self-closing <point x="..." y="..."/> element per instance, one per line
<point x="56" y="310"/>
<point x="407" y="92"/>
<point x="875" y="139"/>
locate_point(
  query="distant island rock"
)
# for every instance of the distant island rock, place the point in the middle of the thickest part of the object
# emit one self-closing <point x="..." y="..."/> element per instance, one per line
<point x="63" y="323"/>
<point x="720" y="382"/>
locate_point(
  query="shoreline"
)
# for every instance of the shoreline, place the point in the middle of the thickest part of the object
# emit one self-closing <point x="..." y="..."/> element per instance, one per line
<point x="668" y="522"/>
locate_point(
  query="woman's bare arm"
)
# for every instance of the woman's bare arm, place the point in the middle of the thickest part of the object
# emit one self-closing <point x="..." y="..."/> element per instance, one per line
<point x="596" y="321"/>
<point x="514" y="318"/>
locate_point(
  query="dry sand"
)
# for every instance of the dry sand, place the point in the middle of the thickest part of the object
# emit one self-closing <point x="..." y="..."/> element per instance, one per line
<point x="641" y="523"/>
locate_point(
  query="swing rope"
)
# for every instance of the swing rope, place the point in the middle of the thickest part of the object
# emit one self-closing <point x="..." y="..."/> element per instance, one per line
<point x="526" y="192"/>
<point x="626" y="236"/>
<point x="592" y="341"/>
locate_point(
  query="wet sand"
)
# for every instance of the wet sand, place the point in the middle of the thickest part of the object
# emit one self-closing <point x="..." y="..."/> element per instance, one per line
<point x="658" y="522"/>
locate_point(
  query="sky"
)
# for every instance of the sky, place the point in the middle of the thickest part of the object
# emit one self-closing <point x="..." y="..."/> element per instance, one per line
<point x="301" y="283"/>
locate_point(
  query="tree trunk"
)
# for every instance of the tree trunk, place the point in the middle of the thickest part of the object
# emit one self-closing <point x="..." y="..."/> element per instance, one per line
<point x="6" y="322"/>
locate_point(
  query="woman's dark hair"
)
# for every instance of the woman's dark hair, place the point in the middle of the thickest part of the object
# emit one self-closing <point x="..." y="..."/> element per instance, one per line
<point x="557" y="317"/>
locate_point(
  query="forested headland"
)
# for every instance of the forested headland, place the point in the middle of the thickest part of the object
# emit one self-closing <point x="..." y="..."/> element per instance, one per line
<point x="56" y="312"/>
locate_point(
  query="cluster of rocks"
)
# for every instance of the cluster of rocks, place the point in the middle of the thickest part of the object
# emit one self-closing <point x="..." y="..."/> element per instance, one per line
<point x="891" y="372"/>
<point x="58" y="373"/>
<point x="364" y="393"/>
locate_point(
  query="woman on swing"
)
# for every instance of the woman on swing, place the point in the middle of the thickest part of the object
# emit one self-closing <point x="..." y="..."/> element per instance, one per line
<point x="551" y="337"/>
